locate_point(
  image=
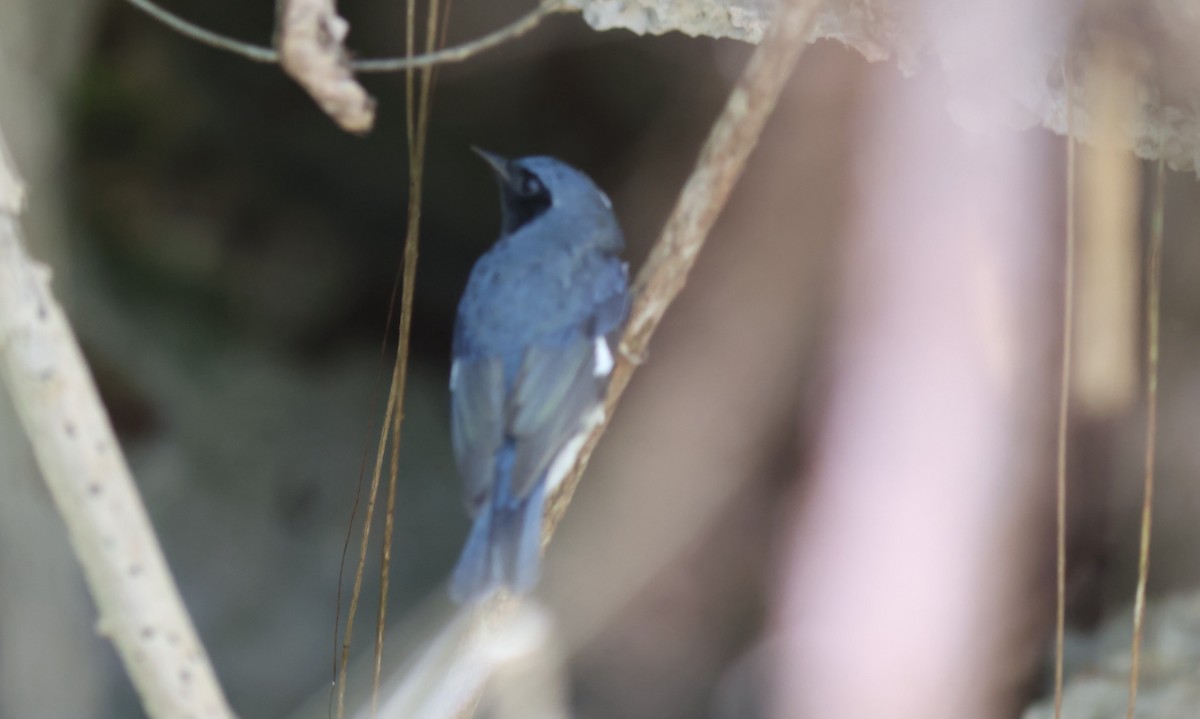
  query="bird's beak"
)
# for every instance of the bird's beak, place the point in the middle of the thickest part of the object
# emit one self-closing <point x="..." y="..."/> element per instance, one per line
<point x="498" y="163"/>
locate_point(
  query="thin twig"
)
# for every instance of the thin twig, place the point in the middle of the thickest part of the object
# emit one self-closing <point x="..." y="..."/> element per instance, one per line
<point x="733" y="137"/>
<point x="383" y="345"/>
<point x="1153" y="293"/>
<point x="356" y="592"/>
<point x="400" y="365"/>
<point x="257" y="53"/>
<point x="389" y="530"/>
<point x="416" y="159"/>
<point x="394" y="416"/>
<point x="139" y="606"/>
<point x="729" y="144"/>
<point x="458" y="53"/>
<point x="1064" y="403"/>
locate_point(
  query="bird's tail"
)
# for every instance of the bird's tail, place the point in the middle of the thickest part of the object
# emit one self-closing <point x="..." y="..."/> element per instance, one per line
<point x="504" y="546"/>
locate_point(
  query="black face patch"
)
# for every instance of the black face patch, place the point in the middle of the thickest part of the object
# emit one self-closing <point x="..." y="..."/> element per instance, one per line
<point x="524" y="198"/>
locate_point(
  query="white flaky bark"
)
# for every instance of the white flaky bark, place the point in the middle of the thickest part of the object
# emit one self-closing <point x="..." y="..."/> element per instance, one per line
<point x="1166" y="119"/>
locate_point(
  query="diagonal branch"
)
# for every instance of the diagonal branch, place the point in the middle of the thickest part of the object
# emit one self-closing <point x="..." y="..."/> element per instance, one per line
<point x="729" y="144"/>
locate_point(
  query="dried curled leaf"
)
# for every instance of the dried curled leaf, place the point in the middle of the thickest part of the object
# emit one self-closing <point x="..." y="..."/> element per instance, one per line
<point x="310" y="38"/>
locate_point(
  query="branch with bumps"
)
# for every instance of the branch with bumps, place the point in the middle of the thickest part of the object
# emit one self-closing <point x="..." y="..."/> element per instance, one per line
<point x="58" y="404"/>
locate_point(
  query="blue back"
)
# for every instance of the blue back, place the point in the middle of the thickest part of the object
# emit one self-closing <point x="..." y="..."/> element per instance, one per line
<point x="531" y="359"/>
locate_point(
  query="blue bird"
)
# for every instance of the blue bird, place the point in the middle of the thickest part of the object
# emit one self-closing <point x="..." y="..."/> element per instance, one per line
<point x="533" y="353"/>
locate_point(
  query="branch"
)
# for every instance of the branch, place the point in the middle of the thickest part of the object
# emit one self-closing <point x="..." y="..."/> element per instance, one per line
<point x="729" y="144"/>
<point x="450" y="675"/>
<point x="42" y="367"/>
<point x="458" y="53"/>
<point x="259" y="53"/>
<point x="247" y="50"/>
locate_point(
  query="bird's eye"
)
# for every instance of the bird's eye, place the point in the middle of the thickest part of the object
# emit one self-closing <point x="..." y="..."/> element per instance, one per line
<point x="529" y="185"/>
<point x="524" y="198"/>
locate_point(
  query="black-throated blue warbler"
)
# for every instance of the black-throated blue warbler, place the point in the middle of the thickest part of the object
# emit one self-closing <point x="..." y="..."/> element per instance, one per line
<point x="533" y="352"/>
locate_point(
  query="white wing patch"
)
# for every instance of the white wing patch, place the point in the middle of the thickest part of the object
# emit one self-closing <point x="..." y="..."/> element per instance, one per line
<point x="453" y="375"/>
<point x="565" y="459"/>
<point x="604" y="359"/>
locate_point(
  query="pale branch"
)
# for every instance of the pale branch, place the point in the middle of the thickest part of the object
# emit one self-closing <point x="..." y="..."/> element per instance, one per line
<point x="450" y="675"/>
<point x="56" y="399"/>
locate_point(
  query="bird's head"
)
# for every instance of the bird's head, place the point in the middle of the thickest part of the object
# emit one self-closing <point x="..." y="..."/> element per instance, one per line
<point x="533" y="186"/>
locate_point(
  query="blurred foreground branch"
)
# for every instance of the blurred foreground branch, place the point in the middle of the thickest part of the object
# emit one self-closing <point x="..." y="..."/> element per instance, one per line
<point x="56" y="399"/>
<point x="909" y="578"/>
<point x="451" y="674"/>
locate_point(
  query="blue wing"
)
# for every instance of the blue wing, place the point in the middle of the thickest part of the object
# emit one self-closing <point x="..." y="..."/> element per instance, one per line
<point x="556" y="389"/>
<point x="477" y="424"/>
<point x="536" y="402"/>
<point x="512" y="413"/>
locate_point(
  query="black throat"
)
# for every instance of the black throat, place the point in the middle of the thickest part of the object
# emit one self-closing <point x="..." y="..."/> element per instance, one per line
<point x="518" y="210"/>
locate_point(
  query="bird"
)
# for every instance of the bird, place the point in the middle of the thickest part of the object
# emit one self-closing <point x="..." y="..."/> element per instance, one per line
<point x="533" y="351"/>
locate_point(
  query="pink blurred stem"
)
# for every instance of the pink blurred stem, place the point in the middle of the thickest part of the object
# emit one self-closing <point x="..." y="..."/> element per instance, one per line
<point x="909" y="557"/>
